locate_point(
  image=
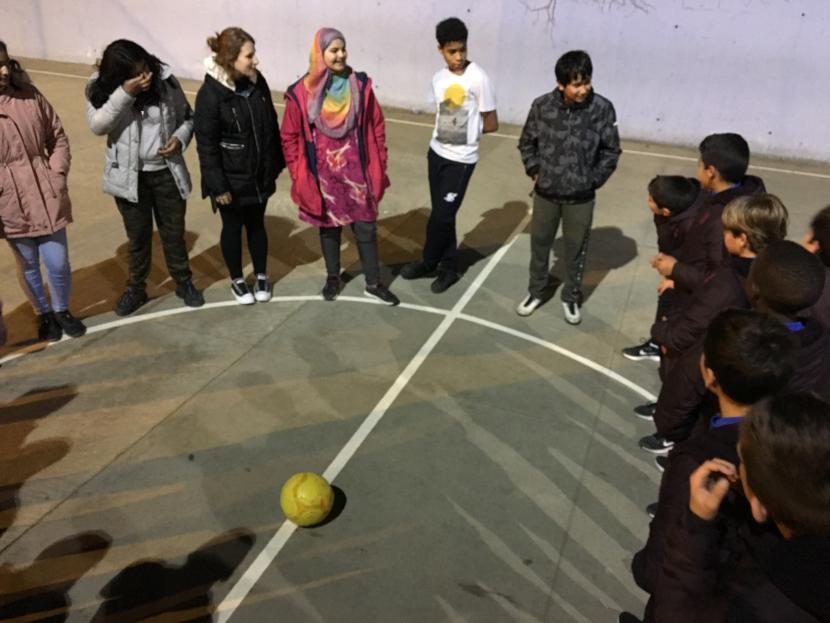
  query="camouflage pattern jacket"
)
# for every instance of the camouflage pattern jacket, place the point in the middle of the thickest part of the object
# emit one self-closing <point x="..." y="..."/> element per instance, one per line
<point x="572" y="148"/>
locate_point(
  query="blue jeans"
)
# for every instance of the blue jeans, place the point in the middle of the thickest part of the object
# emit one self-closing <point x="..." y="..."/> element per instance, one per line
<point x="53" y="250"/>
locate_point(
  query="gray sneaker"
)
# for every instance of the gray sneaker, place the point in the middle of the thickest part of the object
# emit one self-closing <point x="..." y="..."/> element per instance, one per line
<point x="572" y="315"/>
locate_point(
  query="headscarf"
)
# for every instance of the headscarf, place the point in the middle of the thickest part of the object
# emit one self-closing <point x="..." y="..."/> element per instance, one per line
<point x="333" y="100"/>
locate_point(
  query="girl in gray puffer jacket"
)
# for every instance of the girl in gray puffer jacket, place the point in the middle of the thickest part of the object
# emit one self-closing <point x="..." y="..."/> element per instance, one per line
<point x="139" y="105"/>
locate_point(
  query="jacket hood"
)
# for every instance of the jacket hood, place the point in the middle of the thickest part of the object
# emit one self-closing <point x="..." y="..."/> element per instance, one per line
<point x="218" y="73"/>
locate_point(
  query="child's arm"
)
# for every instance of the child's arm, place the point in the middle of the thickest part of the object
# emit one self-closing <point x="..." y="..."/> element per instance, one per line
<point x="57" y="145"/>
<point x="529" y="143"/>
<point x="491" y="121"/>
<point x="184" y="114"/>
<point x="208" y="130"/>
<point x="105" y="119"/>
<point x="609" y="149"/>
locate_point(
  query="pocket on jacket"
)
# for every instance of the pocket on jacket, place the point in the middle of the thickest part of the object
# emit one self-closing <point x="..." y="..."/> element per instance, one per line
<point x="234" y="157"/>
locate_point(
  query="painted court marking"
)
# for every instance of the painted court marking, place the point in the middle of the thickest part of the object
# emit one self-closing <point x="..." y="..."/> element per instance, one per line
<point x="420" y="124"/>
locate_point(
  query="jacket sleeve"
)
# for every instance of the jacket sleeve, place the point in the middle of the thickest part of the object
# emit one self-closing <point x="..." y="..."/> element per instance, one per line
<point x="665" y="234"/>
<point x="609" y="149"/>
<point x="103" y="120"/>
<point x="686" y="277"/>
<point x="687" y="585"/>
<point x="379" y="129"/>
<point x="671" y="505"/>
<point x="529" y="142"/>
<point x="208" y="131"/>
<point x="291" y="134"/>
<point x="57" y="144"/>
<point x="184" y="114"/>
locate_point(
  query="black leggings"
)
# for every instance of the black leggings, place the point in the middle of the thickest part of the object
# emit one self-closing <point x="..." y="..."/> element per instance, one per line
<point x="234" y="218"/>
<point x="365" y="234"/>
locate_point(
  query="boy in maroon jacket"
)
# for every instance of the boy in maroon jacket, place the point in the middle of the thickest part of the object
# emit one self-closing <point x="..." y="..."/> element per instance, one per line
<point x="779" y="574"/>
<point x="747" y="356"/>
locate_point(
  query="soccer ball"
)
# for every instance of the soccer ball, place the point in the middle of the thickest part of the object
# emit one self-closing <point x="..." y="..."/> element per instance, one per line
<point x="306" y="498"/>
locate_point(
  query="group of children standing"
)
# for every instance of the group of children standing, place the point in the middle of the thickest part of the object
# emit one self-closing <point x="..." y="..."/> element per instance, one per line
<point x="741" y="337"/>
<point x="741" y="328"/>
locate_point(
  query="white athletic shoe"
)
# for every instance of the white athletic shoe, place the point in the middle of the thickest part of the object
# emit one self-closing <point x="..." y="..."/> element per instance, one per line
<point x="528" y="305"/>
<point x="262" y="289"/>
<point x="242" y="293"/>
<point x="572" y="315"/>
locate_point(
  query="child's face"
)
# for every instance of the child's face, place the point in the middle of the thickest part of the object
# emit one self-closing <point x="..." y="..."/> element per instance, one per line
<point x="705" y="175"/>
<point x="455" y="55"/>
<point x="335" y="56"/>
<point x="576" y="91"/>
<point x="736" y="244"/>
<point x="246" y="63"/>
<point x="809" y="242"/>
<point x="656" y="209"/>
<point x="5" y="71"/>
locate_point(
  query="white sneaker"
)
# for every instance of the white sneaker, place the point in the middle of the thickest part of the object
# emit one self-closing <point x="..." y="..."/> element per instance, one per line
<point x="242" y="293"/>
<point x="528" y="305"/>
<point x="572" y="315"/>
<point x="262" y="289"/>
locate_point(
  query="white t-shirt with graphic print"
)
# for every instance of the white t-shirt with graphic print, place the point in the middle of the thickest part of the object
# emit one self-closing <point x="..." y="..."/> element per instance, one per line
<point x="459" y="101"/>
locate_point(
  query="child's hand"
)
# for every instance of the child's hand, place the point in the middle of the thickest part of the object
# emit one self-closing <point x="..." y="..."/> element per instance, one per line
<point x="666" y="284"/>
<point x="142" y="82"/>
<point x="173" y="146"/>
<point x="708" y="485"/>
<point x="663" y="264"/>
<point x="225" y="199"/>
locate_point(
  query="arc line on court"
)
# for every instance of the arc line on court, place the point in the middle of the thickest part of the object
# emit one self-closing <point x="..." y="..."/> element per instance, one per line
<point x="421" y="124"/>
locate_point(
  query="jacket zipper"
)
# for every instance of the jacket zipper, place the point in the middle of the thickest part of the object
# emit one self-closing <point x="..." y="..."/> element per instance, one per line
<point x="256" y="143"/>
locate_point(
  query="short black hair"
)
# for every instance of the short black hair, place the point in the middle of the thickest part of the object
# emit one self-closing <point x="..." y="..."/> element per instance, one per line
<point x="821" y="234"/>
<point x="752" y="355"/>
<point x="728" y="153"/>
<point x="786" y="277"/>
<point x="572" y="66"/>
<point x="785" y="448"/>
<point x="449" y="30"/>
<point x="674" y="192"/>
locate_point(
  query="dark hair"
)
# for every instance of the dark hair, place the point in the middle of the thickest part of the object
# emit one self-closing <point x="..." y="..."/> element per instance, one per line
<point x="786" y="277"/>
<point x="572" y="66"/>
<point x="449" y="30"/>
<point x="117" y="64"/>
<point x="16" y="72"/>
<point x="752" y="355"/>
<point x="763" y="218"/>
<point x="821" y="234"/>
<point x="785" y="448"/>
<point x="674" y="192"/>
<point x="728" y="153"/>
<point x="226" y="46"/>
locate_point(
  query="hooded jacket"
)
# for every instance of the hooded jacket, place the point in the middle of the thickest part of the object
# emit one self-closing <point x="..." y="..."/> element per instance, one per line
<point x="572" y="148"/>
<point x="34" y="163"/>
<point x="121" y="123"/>
<point x="300" y="155"/>
<point x="237" y="137"/>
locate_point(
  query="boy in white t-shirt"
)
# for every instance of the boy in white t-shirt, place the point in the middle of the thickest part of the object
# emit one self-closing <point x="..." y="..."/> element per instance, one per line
<point x="466" y="109"/>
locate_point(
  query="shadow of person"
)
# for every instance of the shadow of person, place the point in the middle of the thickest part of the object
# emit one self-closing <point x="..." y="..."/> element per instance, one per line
<point x="490" y="234"/>
<point x="20" y="460"/>
<point x="40" y="591"/>
<point x="608" y="249"/>
<point x="152" y="588"/>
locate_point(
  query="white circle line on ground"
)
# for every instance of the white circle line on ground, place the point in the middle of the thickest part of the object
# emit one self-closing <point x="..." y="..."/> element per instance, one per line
<point x="420" y="124"/>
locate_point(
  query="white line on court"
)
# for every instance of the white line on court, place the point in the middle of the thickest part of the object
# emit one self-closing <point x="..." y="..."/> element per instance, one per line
<point x="420" y="124"/>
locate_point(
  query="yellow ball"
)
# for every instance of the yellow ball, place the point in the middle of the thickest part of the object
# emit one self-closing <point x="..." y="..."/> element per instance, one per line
<point x="306" y="498"/>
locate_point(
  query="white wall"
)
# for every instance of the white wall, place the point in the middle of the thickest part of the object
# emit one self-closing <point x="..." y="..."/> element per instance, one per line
<point x="676" y="69"/>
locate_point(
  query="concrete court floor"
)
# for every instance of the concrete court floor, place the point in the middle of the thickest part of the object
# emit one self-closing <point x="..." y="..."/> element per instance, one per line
<point x="140" y="465"/>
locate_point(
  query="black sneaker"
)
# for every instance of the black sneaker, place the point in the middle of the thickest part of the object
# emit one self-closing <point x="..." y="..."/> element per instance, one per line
<point x="189" y="294"/>
<point x="262" y="289"/>
<point x="332" y="288"/>
<point x="381" y="293"/>
<point x="445" y="279"/>
<point x="572" y="314"/>
<point x="131" y="300"/>
<point x="48" y="328"/>
<point x="242" y="293"/>
<point x="416" y="270"/>
<point x="651" y="510"/>
<point x="70" y="325"/>
<point x="662" y="462"/>
<point x="647" y="351"/>
<point x="646" y="411"/>
<point x="656" y="444"/>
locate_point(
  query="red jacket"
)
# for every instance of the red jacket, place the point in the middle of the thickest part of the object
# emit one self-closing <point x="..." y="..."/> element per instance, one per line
<point x="34" y="163"/>
<point x="298" y="145"/>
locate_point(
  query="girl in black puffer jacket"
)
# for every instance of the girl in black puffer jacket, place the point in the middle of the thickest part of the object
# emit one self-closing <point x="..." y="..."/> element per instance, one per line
<point x="240" y="156"/>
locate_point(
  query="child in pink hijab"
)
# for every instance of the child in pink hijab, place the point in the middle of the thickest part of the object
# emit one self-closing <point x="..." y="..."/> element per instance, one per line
<point x="334" y="141"/>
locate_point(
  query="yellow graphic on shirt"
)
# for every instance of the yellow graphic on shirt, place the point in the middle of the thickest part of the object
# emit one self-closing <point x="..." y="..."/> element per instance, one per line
<point x="453" y="116"/>
<point x="454" y="96"/>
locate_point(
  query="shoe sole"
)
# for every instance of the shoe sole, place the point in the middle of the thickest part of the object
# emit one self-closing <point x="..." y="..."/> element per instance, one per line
<point x="654" y="358"/>
<point x="329" y="298"/>
<point x="262" y="299"/>
<point x="242" y="301"/>
<point x="377" y="298"/>
<point x="647" y="418"/>
<point x="132" y="311"/>
<point x="659" y="467"/>
<point x="660" y="452"/>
